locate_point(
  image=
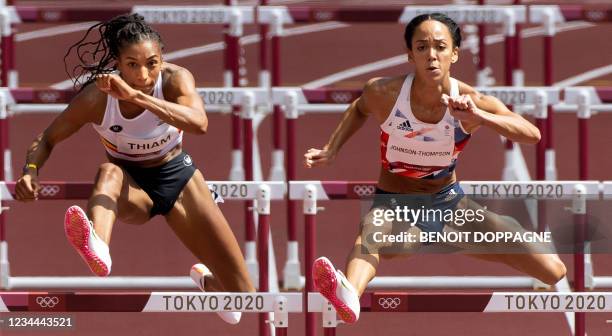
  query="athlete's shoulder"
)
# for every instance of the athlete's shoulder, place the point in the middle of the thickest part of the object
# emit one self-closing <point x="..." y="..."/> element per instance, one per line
<point x="176" y="82"/>
<point x="384" y="85"/>
<point x="89" y="97"/>
<point x="88" y="105"/>
<point x="383" y="89"/>
<point x="175" y="75"/>
<point x="466" y="88"/>
<point x="379" y="95"/>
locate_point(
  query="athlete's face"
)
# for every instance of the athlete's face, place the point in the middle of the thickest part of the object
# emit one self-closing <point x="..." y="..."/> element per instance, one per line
<point x="140" y="64"/>
<point x="432" y="50"/>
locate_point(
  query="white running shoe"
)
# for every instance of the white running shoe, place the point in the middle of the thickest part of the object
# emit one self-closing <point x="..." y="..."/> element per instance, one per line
<point x="83" y="237"/>
<point x="198" y="274"/>
<point x="336" y="288"/>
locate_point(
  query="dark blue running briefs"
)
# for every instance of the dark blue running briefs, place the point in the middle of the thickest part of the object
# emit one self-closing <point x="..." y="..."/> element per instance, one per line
<point x="444" y="200"/>
<point x="164" y="183"/>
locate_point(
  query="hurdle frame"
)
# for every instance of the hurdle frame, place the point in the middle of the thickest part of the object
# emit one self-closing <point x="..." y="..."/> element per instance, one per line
<point x="311" y="191"/>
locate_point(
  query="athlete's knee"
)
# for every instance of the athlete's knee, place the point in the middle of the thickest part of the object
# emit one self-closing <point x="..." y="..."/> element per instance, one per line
<point x="109" y="172"/>
<point x="554" y="270"/>
<point x="503" y="223"/>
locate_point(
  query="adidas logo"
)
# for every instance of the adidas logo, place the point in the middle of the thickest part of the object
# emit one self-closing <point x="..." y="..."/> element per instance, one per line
<point x="405" y="126"/>
<point x="450" y="196"/>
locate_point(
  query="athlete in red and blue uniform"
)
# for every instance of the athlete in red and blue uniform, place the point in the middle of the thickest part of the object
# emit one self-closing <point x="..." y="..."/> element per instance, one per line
<point x="426" y="120"/>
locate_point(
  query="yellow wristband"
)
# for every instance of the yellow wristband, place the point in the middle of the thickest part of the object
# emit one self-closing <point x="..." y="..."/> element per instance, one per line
<point x="28" y="166"/>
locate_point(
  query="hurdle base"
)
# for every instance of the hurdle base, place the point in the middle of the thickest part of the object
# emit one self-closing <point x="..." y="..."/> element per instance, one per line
<point x="550" y="167"/>
<point x="4" y="266"/>
<point x="237" y="171"/>
<point x="292" y="276"/>
<point x="277" y="172"/>
<point x="484" y="78"/>
<point x="588" y="272"/>
<point x="251" y="262"/>
<point x="291" y="272"/>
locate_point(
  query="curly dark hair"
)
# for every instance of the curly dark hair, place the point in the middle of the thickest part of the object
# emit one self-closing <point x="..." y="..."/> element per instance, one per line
<point x="99" y="56"/>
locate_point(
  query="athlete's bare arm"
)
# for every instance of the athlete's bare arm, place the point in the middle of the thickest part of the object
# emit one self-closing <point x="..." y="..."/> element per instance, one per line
<point x="374" y="100"/>
<point x="86" y="107"/>
<point x="475" y="109"/>
<point x="181" y="107"/>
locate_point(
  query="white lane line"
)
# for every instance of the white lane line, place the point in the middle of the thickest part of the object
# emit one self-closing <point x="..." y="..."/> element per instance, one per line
<point x="583" y="77"/>
<point x="358" y="70"/>
<point x="52" y="31"/>
<point x="400" y="59"/>
<point x="218" y="46"/>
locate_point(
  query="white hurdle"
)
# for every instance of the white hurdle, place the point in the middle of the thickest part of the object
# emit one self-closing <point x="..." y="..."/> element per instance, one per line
<point x="230" y="190"/>
<point x="312" y="191"/>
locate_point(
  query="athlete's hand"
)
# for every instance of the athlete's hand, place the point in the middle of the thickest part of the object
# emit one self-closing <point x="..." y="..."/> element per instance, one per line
<point x="26" y="188"/>
<point x="115" y="86"/>
<point x="318" y="157"/>
<point x="462" y="108"/>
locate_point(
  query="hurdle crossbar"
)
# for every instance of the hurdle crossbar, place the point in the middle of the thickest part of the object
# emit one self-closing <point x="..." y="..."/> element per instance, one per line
<point x="91" y="282"/>
<point x="165" y="302"/>
<point x="449" y="282"/>
<point x="329" y="190"/>
<point x="234" y="190"/>
<point x="479" y="302"/>
<point x="460" y="13"/>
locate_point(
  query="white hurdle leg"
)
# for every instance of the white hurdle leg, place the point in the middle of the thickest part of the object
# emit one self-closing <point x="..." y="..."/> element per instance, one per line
<point x="4" y="266"/>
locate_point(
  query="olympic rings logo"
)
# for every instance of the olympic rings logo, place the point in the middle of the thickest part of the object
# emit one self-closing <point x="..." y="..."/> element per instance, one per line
<point x="341" y="97"/>
<point x="364" y="190"/>
<point x="47" y="301"/>
<point x="48" y="96"/>
<point x="49" y="190"/>
<point x="595" y="15"/>
<point x="389" y="302"/>
<point x="51" y="15"/>
<point x="323" y="16"/>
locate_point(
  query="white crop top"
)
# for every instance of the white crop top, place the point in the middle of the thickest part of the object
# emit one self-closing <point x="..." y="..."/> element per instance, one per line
<point x="141" y="138"/>
<point x="413" y="148"/>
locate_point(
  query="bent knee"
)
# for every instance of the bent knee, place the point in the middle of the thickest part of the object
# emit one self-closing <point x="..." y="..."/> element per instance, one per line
<point x="110" y="171"/>
<point x="555" y="270"/>
<point x="109" y="178"/>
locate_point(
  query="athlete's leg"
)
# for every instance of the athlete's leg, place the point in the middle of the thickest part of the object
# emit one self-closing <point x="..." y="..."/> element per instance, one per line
<point x="535" y="259"/>
<point x="200" y="225"/>
<point x="116" y="195"/>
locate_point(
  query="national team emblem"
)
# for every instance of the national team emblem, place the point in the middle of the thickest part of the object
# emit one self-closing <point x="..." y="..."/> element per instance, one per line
<point x="187" y="161"/>
<point x="116" y="128"/>
<point x="399" y="114"/>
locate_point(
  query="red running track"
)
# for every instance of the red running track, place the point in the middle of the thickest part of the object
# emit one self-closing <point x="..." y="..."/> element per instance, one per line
<point x="38" y="247"/>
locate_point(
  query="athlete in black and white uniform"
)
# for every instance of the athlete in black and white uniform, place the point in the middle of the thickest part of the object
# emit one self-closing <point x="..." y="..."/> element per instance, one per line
<point x="140" y="106"/>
